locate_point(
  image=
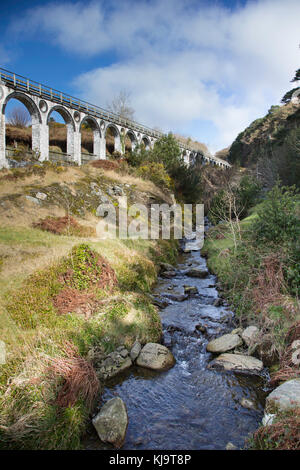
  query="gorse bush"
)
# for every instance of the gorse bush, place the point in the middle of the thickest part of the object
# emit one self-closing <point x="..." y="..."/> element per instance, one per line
<point x="156" y="173"/>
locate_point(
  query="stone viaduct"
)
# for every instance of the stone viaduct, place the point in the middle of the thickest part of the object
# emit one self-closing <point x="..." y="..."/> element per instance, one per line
<point x="41" y="101"/>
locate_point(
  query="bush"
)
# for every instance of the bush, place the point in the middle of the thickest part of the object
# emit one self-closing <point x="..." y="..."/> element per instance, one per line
<point x="156" y="173"/>
<point x="277" y="220"/>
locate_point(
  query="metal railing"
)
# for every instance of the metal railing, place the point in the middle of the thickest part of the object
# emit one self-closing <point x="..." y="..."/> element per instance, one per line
<point x="24" y="84"/>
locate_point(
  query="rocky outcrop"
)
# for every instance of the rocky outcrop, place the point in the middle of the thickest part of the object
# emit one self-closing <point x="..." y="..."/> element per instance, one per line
<point x="224" y="343"/>
<point x="111" y="422"/>
<point x="155" y="356"/>
<point x="237" y="363"/>
<point x="110" y="365"/>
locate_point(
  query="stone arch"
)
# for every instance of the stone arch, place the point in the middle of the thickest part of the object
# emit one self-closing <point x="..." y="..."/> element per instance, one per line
<point x="115" y="133"/>
<point x="146" y="141"/>
<point x="96" y="134"/>
<point x="65" y="114"/>
<point x="130" y="135"/>
<point x="70" y="125"/>
<point x="34" y="114"/>
<point x="28" y="103"/>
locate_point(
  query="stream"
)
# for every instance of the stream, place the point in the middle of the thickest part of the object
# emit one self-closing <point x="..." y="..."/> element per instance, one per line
<point x="189" y="406"/>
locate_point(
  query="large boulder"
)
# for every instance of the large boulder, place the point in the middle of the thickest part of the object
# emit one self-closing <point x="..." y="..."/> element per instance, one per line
<point x="237" y="363"/>
<point x="224" y="343"/>
<point x="155" y="356"/>
<point x="284" y="397"/>
<point x="111" y="422"/>
<point x="197" y="272"/>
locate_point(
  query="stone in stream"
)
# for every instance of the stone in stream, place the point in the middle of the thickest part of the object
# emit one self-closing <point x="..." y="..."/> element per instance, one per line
<point x="237" y="363"/>
<point x="155" y="356"/>
<point x="224" y="343"/>
<point x="284" y="397"/>
<point x="197" y="272"/>
<point x="159" y="302"/>
<point x="201" y="328"/>
<point x="249" y="404"/>
<point x="177" y="297"/>
<point x="111" y="422"/>
<point x="166" y="267"/>
<point x="168" y="274"/>
<point x="190" y="290"/>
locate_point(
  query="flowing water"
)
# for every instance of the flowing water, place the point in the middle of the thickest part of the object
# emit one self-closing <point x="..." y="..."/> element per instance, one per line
<point x="189" y="406"/>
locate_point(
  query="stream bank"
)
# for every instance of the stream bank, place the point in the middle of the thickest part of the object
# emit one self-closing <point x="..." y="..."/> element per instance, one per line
<point x="189" y="406"/>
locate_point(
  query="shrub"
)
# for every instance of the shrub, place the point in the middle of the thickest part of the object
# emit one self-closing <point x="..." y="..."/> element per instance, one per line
<point x="156" y="173"/>
<point x="277" y="220"/>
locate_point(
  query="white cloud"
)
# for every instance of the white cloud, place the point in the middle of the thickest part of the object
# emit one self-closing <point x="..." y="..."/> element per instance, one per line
<point x="183" y="62"/>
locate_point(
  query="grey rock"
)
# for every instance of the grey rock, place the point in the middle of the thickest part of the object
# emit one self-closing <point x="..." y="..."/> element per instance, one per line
<point x="168" y="274"/>
<point x="177" y="297"/>
<point x="197" y="272"/>
<point x="249" y="404"/>
<point x="237" y="363"/>
<point x="190" y="290"/>
<point x="33" y="199"/>
<point x="224" y="343"/>
<point x="155" y="356"/>
<point x="111" y="422"/>
<point x="250" y="335"/>
<point x="284" y="397"/>
<point x="135" y="350"/>
<point x="41" y="196"/>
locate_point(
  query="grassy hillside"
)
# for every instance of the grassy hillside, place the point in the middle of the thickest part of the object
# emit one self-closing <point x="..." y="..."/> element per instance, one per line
<point x="271" y="145"/>
<point x="63" y="292"/>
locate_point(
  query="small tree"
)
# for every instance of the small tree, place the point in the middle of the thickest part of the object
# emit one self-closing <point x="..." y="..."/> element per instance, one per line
<point x="167" y="151"/>
<point x="120" y="104"/>
<point x="19" y="117"/>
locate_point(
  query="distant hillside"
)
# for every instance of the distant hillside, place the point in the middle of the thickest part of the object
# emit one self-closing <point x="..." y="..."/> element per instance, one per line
<point x="223" y="154"/>
<point x="271" y="145"/>
<point x="193" y="143"/>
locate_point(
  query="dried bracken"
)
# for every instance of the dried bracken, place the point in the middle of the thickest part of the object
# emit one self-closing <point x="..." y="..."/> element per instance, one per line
<point x="73" y="301"/>
<point x="288" y="368"/>
<point x="284" y="434"/>
<point x="105" y="164"/>
<point x="80" y="379"/>
<point x="268" y="285"/>
<point x="66" y="225"/>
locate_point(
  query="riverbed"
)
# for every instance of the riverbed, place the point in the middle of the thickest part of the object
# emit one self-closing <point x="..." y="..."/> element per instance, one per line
<point x="189" y="406"/>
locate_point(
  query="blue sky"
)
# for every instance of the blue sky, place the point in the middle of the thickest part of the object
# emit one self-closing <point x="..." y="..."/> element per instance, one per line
<point x="204" y="69"/>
